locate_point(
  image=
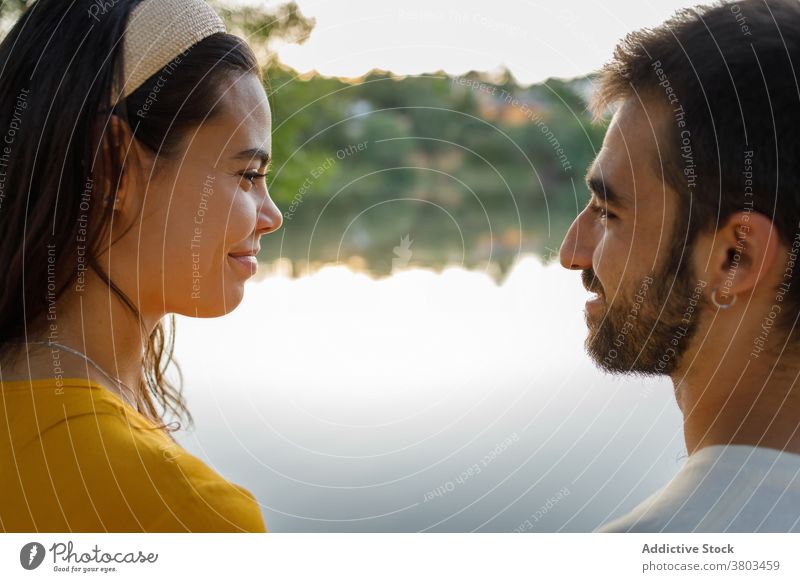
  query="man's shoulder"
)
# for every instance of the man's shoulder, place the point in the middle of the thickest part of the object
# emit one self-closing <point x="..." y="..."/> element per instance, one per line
<point x="723" y="489"/>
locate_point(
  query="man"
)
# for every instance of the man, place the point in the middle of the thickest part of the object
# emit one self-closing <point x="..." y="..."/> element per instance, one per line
<point x="690" y="243"/>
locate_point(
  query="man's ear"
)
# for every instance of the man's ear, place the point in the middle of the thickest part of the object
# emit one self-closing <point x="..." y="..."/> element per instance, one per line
<point x="742" y="253"/>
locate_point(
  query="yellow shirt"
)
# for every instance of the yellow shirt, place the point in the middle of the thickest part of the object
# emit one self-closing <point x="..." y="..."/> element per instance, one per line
<point x="77" y="458"/>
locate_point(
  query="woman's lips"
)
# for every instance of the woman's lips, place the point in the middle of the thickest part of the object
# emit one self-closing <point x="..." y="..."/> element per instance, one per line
<point x="247" y="263"/>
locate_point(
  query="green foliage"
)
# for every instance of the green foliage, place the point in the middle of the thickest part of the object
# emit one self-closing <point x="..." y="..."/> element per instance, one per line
<point x="11" y="9"/>
<point x="260" y="26"/>
<point x="498" y="165"/>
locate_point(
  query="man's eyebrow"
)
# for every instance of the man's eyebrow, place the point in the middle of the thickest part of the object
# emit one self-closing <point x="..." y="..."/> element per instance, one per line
<point x="251" y="153"/>
<point x="602" y="190"/>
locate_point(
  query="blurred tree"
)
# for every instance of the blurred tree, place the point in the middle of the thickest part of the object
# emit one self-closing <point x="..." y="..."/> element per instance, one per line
<point x="261" y="26"/>
<point x="9" y="12"/>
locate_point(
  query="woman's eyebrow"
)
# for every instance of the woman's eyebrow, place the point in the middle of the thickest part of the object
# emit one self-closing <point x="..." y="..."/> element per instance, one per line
<point x="251" y="153"/>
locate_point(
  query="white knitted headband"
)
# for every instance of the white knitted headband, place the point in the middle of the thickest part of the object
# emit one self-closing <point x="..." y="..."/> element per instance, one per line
<point x="159" y="31"/>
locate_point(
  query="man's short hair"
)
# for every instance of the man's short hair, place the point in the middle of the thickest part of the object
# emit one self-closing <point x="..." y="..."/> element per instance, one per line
<point x="728" y="76"/>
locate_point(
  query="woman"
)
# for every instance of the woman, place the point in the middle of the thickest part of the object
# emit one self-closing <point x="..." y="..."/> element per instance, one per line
<point x="136" y="137"/>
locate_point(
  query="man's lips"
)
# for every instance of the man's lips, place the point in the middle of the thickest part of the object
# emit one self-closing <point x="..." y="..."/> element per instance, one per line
<point x="595" y="301"/>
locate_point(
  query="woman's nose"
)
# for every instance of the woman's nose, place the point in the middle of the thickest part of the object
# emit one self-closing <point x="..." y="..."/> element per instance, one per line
<point x="270" y="218"/>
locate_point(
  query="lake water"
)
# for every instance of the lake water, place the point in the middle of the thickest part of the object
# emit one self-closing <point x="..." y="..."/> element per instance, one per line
<point x="423" y="401"/>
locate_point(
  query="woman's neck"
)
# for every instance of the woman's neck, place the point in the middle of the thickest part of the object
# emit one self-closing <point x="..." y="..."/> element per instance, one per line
<point x="95" y="322"/>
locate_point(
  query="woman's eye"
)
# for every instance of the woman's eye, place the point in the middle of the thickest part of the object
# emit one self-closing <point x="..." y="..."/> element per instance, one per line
<point x="253" y="176"/>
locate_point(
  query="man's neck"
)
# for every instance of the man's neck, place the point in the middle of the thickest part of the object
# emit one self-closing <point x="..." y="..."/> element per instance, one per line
<point x="733" y="398"/>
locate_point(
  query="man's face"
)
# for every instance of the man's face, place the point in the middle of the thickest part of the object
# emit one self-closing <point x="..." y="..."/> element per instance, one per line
<point x="646" y="304"/>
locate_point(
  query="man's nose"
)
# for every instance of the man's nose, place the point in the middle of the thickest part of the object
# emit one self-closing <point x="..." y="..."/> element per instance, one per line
<point x="577" y="247"/>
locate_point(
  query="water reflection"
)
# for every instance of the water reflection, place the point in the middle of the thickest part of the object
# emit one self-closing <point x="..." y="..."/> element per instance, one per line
<point x="416" y="232"/>
<point x="423" y="401"/>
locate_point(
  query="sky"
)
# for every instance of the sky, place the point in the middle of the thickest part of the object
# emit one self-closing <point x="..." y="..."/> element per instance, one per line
<point x="536" y="40"/>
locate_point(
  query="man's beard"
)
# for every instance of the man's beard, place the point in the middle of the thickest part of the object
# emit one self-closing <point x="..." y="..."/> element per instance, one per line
<point x="647" y="328"/>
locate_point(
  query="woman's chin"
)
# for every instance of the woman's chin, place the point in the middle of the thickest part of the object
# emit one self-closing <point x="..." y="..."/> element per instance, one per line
<point x="216" y="306"/>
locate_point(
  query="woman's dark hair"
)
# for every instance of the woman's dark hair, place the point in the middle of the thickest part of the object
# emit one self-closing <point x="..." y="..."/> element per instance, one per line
<point x="57" y="68"/>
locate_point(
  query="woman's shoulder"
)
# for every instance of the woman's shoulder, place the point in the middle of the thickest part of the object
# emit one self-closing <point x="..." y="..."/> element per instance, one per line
<point x="34" y="409"/>
<point x="82" y="460"/>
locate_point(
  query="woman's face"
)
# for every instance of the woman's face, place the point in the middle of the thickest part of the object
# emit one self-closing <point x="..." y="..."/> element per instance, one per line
<point x="198" y="219"/>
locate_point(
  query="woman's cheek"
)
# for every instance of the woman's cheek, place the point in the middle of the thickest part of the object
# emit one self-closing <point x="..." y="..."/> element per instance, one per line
<point x="242" y="220"/>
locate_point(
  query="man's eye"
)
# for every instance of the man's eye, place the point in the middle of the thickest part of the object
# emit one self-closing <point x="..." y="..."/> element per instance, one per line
<point x="602" y="212"/>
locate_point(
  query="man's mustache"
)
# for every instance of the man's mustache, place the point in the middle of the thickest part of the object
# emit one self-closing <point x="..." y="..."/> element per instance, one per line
<point x="591" y="283"/>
